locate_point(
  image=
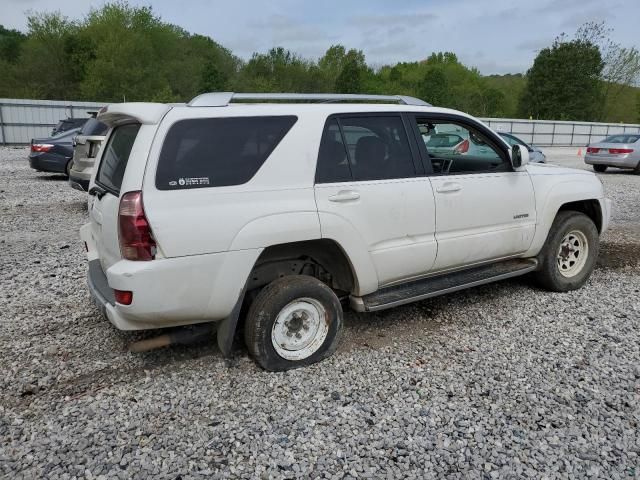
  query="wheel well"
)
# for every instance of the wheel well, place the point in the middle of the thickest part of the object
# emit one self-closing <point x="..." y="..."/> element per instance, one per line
<point x="323" y="259"/>
<point x="591" y="208"/>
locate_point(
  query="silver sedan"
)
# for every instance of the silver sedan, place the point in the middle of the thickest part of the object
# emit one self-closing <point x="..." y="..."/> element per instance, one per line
<point x="621" y="150"/>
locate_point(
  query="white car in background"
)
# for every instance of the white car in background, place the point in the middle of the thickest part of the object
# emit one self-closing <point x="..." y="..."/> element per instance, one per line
<point x="288" y="210"/>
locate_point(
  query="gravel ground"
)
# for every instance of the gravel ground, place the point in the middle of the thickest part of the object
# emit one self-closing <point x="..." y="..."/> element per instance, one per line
<point x="503" y="381"/>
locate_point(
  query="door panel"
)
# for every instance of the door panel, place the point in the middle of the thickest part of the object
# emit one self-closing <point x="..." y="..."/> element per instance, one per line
<point x="484" y="209"/>
<point x="488" y="216"/>
<point x="395" y="220"/>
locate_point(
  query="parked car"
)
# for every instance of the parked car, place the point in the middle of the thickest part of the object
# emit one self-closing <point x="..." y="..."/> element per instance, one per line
<point x="621" y="150"/>
<point x="85" y="148"/>
<point x="53" y="154"/>
<point x="535" y="154"/>
<point x="286" y="210"/>
<point x="67" y="124"/>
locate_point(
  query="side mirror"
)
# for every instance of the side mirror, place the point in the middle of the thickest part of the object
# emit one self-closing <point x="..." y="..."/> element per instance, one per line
<point x="519" y="156"/>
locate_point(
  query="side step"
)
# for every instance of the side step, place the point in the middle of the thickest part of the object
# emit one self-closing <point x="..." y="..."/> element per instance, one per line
<point x="441" y="284"/>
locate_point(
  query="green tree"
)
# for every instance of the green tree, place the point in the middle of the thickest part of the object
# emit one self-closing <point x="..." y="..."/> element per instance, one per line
<point x="350" y="78"/>
<point x="564" y="82"/>
<point x="434" y="87"/>
<point x="10" y="44"/>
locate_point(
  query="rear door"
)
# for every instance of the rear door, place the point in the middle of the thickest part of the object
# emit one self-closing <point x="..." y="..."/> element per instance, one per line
<point x="372" y="194"/>
<point x="103" y="210"/>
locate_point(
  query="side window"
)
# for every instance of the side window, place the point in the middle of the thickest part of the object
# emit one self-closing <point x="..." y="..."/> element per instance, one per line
<point x="216" y="152"/>
<point x="456" y="148"/>
<point x="378" y="147"/>
<point x="333" y="164"/>
<point x="115" y="158"/>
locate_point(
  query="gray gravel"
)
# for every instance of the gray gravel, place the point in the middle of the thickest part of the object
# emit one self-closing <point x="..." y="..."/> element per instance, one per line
<point x="504" y="381"/>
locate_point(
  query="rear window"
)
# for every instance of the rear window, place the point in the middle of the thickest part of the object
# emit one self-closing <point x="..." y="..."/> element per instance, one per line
<point x="94" y="127"/>
<point x="216" y="152"/>
<point x="622" y="138"/>
<point x="115" y="157"/>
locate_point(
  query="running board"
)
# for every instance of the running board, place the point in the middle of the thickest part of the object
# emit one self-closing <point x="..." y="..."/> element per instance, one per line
<point x="441" y="284"/>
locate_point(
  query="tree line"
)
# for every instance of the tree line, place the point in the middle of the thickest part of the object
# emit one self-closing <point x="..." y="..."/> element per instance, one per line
<point x="121" y="52"/>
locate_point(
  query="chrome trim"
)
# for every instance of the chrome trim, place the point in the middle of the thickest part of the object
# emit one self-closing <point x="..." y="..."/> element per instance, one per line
<point x="222" y="99"/>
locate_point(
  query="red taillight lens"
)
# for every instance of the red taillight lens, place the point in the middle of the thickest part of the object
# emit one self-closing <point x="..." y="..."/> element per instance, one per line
<point x="462" y="147"/>
<point x="620" y="151"/>
<point x="123" y="297"/>
<point x="134" y="232"/>
<point x="41" y="147"/>
<point x="592" y="150"/>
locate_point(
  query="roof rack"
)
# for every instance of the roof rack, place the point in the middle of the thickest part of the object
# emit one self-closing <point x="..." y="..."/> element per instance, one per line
<point x="222" y="99"/>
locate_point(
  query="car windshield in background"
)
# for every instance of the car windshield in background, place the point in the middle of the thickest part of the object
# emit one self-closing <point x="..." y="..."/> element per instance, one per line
<point x="624" y="138"/>
<point x="116" y="156"/>
<point x="94" y="128"/>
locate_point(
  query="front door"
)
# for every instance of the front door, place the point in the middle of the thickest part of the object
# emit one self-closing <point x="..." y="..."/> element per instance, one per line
<point x="372" y="196"/>
<point x="485" y="210"/>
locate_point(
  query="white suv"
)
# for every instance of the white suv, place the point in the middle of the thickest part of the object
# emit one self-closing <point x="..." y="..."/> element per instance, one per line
<point x="299" y="204"/>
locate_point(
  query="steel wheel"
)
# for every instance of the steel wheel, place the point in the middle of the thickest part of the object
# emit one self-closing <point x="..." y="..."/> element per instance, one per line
<point x="300" y="329"/>
<point x="572" y="253"/>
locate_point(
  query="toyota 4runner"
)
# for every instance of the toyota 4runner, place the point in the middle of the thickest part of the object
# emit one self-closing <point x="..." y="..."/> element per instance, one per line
<point x="286" y="207"/>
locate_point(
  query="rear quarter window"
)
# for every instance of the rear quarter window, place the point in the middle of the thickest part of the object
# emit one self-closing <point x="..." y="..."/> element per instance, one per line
<point x="115" y="157"/>
<point x="216" y="152"/>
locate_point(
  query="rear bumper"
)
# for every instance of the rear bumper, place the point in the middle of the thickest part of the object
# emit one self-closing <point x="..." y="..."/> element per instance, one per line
<point x="48" y="162"/>
<point x="169" y="292"/>
<point x="621" y="162"/>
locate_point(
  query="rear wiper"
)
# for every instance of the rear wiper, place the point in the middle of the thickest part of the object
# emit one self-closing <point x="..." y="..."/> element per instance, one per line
<point x="97" y="191"/>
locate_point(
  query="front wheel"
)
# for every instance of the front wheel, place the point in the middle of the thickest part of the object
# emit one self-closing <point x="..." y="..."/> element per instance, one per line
<point x="570" y="253"/>
<point x="600" y="168"/>
<point x="294" y="321"/>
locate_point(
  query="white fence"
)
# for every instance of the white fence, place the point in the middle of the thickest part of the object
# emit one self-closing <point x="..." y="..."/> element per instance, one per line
<point x="558" y="133"/>
<point x="22" y="120"/>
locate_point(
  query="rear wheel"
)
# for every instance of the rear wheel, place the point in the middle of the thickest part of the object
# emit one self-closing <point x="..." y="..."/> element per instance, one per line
<point x="570" y="253"/>
<point x="294" y="321"/>
<point x="599" y="168"/>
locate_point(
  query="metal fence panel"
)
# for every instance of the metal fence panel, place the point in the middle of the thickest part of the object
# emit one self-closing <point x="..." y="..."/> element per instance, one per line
<point x="559" y="133"/>
<point x="21" y="120"/>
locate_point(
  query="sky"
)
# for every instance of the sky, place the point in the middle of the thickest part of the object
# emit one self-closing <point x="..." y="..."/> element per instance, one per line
<point x="495" y="36"/>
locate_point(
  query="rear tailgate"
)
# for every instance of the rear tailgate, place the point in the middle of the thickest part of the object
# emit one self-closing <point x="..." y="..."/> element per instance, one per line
<point x="119" y="169"/>
<point x="108" y="181"/>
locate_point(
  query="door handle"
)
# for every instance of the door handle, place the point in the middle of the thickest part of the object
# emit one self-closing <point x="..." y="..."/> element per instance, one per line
<point x="449" y="187"/>
<point x="344" y="196"/>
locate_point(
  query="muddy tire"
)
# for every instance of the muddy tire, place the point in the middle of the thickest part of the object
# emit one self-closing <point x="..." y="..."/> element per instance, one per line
<point x="600" y="168"/>
<point x="293" y="322"/>
<point x="570" y="252"/>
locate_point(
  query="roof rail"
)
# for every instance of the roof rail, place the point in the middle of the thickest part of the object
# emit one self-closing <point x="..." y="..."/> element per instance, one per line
<point x="222" y="99"/>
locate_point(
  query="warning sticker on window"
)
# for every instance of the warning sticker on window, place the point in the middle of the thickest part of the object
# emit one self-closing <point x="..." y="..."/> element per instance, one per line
<point x="188" y="182"/>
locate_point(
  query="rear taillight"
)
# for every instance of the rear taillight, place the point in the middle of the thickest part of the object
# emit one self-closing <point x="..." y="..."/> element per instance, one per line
<point x="592" y="150"/>
<point x="620" y="151"/>
<point x="462" y="147"/>
<point x="123" y="297"/>
<point x="134" y="232"/>
<point x="41" y="147"/>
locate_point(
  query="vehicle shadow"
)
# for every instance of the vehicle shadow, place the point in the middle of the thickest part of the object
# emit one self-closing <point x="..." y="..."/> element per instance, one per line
<point x="53" y="178"/>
